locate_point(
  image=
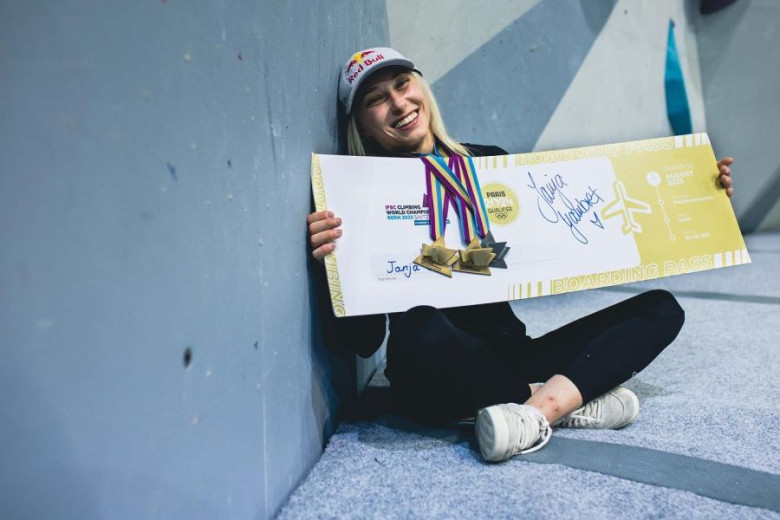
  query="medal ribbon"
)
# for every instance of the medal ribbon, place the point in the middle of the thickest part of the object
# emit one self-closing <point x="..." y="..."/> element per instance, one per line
<point x="437" y="201"/>
<point x="456" y="180"/>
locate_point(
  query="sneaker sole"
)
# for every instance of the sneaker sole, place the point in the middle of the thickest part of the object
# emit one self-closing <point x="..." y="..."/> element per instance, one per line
<point x="492" y="431"/>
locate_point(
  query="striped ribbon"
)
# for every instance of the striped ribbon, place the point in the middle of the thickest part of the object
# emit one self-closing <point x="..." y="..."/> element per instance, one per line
<point x="437" y="201"/>
<point x="454" y="180"/>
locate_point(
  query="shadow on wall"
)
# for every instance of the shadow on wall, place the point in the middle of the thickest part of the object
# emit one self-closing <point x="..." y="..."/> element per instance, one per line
<point x="723" y="24"/>
<point x="595" y="12"/>
<point x="333" y="379"/>
<point x="333" y="375"/>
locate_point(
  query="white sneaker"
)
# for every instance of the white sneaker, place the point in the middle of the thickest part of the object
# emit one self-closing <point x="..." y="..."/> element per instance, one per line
<point x="506" y="430"/>
<point x="613" y="410"/>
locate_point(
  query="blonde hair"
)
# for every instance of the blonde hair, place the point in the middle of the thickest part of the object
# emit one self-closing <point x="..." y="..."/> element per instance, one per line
<point x="356" y="146"/>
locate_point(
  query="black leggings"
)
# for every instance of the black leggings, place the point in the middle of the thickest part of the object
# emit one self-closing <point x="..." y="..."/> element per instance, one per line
<point x="439" y="374"/>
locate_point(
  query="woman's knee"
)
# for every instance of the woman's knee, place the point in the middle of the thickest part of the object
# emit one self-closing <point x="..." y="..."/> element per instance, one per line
<point x="669" y="306"/>
<point x="414" y="355"/>
<point x="666" y="307"/>
<point x="416" y="331"/>
<point x="663" y="303"/>
<point x="416" y="317"/>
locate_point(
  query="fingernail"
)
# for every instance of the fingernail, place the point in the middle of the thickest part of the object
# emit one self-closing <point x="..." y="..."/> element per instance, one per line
<point x="330" y="214"/>
<point x="338" y="232"/>
<point x="338" y="221"/>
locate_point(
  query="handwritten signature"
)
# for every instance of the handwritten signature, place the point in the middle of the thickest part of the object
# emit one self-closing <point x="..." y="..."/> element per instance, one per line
<point x="406" y="269"/>
<point x="573" y="212"/>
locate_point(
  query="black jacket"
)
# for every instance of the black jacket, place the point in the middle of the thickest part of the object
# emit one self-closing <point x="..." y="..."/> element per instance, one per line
<point x="364" y="334"/>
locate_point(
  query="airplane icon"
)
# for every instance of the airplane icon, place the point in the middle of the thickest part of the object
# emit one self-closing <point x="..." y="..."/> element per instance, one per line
<point x="626" y="207"/>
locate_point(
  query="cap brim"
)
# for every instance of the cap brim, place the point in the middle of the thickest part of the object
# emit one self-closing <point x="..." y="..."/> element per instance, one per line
<point x="379" y="66"/>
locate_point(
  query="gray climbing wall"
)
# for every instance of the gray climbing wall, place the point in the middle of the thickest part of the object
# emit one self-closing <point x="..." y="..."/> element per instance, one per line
<point x="739" y="50"/>
<point x="154" y="179"/>
<point x="505" y="92"/>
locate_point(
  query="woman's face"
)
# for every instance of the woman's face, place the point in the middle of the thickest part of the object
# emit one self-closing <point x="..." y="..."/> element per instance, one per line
<point x="392" y="110"/>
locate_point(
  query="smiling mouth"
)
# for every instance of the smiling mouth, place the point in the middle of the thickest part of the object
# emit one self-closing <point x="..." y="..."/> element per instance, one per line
<point x="407" y="120"/>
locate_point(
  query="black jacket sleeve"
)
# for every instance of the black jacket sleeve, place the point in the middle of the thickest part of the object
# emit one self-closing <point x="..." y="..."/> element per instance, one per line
<point x="481" y="150"/>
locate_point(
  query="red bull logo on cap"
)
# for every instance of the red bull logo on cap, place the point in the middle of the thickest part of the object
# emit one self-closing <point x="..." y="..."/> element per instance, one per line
<point x="357" y="58"/>
<point x="363" y="62"/>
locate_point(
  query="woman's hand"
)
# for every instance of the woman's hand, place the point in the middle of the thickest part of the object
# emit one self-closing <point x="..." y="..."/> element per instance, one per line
<point x="724" y="175"/>
<point x="323" y="233"/>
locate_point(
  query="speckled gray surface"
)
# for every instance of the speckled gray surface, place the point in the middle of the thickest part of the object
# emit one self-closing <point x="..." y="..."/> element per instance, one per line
<point x="372" y="471"/>
<point x="712" y="395"/>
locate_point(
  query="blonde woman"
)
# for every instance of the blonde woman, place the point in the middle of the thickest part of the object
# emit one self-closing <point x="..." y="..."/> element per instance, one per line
<point x="447" y="364"/>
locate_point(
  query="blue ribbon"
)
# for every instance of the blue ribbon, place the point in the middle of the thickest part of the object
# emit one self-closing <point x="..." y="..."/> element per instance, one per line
<point x="676" y="99"/>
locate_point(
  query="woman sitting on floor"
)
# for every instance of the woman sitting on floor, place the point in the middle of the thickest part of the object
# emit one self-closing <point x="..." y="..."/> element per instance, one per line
<point x="447" y="364"/>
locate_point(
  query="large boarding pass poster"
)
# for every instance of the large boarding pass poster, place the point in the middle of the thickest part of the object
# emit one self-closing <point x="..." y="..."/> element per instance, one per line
<point x="555" y="222"/>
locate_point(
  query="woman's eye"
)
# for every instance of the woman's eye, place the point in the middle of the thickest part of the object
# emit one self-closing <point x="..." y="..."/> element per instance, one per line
<point x="373" y="100"/>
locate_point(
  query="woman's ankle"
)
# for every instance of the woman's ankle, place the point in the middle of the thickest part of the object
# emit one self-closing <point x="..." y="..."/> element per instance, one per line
<point x="556" y="398"/>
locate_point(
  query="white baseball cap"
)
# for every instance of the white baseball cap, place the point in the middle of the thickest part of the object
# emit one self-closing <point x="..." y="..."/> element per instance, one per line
<point x="361" y="65"/>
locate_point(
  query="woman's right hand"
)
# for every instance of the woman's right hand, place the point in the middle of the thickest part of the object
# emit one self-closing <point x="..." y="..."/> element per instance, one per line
<point x="323" y="233"/>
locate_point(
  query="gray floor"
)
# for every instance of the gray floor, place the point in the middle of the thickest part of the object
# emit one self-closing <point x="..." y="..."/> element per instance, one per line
<point x="705" y="445"/>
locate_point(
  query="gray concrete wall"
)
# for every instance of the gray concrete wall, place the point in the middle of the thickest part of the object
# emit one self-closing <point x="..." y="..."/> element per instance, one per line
<point x="739" y="50"/>
<point x="154" y="179"/>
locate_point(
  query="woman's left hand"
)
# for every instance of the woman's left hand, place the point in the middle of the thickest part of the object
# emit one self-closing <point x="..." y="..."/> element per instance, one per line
<point x="724" y="174"/>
